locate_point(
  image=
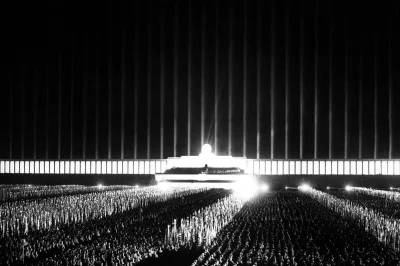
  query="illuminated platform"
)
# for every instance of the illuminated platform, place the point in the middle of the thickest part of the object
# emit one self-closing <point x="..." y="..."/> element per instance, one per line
<point x="195" y="168"/>
<point x="211" y="161"/>
<point x="202" y="178"/>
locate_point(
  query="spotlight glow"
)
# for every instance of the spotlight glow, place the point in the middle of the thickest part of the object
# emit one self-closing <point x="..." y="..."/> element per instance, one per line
<point x="328" y="188"/>
<point x="245" y="190"/>
<point x="286" y="187"/>
<point x="349" y="188"/>
<point x="391" y="188"/>
<point x="137" y="186"/>
<point x="100" y="186"/>
<point x="206" y="150"/>
<point x="304" y="187"/>
<point x="264" y="187"/>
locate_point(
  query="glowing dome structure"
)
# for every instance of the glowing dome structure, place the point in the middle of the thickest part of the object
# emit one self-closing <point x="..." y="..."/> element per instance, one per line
<point x="206" y="150"/>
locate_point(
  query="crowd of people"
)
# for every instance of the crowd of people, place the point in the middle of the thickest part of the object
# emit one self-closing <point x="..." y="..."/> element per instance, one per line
<point x="389" y="195"/>
<point x="20" y="217"/>
<point x="368" y="198"/>
<point x="10" y="193"/>
<point x="135" y="225"/>
<point x="202" y="226"/>
<point x="121" y="238"/>
<point x="369" y="214"/>
<point x="291" y="228"/>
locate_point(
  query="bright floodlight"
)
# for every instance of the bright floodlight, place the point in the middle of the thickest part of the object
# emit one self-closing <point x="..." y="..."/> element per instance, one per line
<point x="348" y="188"/>
<point x="245" y="190"/>
<point x="391" y="188"/>
<point x="137" y="186"/>
<point x="100" y="186"/>
<point x="264" y="187"/>
<point x="304" y="187"/>
<point x="206" y="150"/>
<point x="328" y="188"/>
<point x="285" y="187"/>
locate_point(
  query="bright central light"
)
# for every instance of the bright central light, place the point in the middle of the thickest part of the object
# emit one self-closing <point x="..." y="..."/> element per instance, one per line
<point x="245" y="189"/>
<point x="264" y="187"/>
<point x="348" y="188"/>
<point x="304" y="187"/>
<point x="100" y="186"/>
<point x="206" y="150"/>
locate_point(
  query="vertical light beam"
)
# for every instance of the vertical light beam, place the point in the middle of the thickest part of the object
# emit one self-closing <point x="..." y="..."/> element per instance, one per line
<point x="176" y="69"/>
<point x="189" y="99"/>
<point x="11" y="119"/>
<point x="162" y="79"/>
<point x="149" y="76"/>
<point x="47" y="110"/>
<point x="110" y="97"/>
<point x="346" y="101"/>
<point x="259" y="47"/>
<point x="123" y="81"/>
<point x="72" y="109"/>
<point x="330" y="82"/>
<point x="202" y="88"/>
<point x="390" y="102"/>
<point x="287" y="78"/>
<point x="97" y="114"/>
<point x="272" y="79"/>
<point x="216" y="81"/>
<point x="302" y="82"/>
<point x="360" y="105"/>
<point x="84" y="103"/>
<point x="376" y="99"/>
<point x="136" y="90"/>
<point x="245" y="79"/>
<point x="316" y="66"/>
<point x="59" y="105"/>
<point x="230" y="79"/>
<point x="23" y="102"/>
<point x="35" y="113"/>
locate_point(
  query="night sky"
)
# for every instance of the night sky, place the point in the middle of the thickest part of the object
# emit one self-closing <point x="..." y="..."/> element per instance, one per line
<point x="154" y="79"/>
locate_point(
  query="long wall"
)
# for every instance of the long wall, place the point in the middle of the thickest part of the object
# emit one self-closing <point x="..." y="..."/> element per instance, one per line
<point x="252" y="166"/>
